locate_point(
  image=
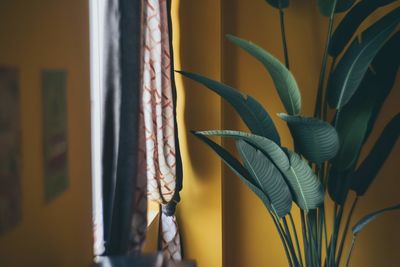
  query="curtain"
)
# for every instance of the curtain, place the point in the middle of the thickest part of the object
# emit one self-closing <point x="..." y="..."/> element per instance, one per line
<point x="158" y="115"/>
<point x="140" y="148"/>
<point x="121" y="120"/>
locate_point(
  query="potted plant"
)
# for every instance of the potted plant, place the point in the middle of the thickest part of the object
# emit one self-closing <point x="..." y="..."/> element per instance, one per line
<point x="326" y="150"/>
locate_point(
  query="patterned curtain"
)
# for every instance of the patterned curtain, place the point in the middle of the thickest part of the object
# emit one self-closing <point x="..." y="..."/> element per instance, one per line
<point x="158" y="121"/>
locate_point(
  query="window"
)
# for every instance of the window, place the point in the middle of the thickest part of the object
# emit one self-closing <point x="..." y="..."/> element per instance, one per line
<point x="97" y="8"/>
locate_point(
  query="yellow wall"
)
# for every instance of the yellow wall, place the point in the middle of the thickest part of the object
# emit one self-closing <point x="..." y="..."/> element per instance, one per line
<point x="36" y="35"/>
<point x="196" y="29"/>
<point x="249" y="235"/>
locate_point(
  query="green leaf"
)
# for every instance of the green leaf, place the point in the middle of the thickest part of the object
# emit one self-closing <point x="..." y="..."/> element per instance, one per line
<point x="381" y="80"/>
<point x="350" y="23"/>
<point x="370" y="217"/>
<point x="355" y="120"/>
<point x="306" y="188"/>
<point x="317" y="140"/>
<point x="268" y="178"/>
<point x="326" y="6"/>
<point x="280" y="4"/>
<point x="351" y="126"/>
<point x="252" y="112"/>
<point x="268" y="147"/>
<point x="283" y="79"/>
<point x="237" y="168"/>
<point x="339" y="185"/>
<point x="368" y="170"/>
<point x="351" y="69"/>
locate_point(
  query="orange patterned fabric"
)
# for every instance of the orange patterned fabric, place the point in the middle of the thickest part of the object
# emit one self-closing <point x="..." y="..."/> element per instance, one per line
<point x="158" y="122"/>
<point x="158" y="104"/>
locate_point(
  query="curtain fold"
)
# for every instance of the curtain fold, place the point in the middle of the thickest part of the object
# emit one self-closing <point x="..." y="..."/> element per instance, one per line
<point x="164" y="167"/>
<point x="120" y="129"/>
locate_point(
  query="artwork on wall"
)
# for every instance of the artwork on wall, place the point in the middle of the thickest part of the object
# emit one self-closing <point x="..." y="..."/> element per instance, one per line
<point x="10" y="150"/>
<point x="55" y="141"/>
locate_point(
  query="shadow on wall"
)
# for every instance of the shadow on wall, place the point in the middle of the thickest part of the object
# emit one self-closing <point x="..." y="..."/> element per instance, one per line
<point x="199" y="111"/>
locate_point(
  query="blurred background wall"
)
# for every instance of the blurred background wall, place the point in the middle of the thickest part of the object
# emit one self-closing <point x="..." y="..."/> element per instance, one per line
<point x="37" y="35"/>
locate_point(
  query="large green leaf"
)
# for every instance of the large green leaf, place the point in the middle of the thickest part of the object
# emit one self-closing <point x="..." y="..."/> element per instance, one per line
<point x="355" y="120"/>
<point x="326" y="6"/>
<point x="352" y="123"/>
<point x="280" y="4"/>
<point x="306" y="188"/>
<point x="317" y="140"/>
<point x="284" y="81"/>
<point x="237" y="168"/>
<point x="382" y="78"/>
<point x="350" y="23"/>
<point x="267" y="146"/>
<point x="268" y="178"/>
<point x="251" y="111"/>
<point x="339" y="185"/>
<point x="370" y="167"/>
<point x="370" y="217"/>
<point x="351" y="69"/>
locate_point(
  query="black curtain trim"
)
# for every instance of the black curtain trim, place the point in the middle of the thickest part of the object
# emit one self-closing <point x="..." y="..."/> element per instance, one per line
<point x="170" y="209"/>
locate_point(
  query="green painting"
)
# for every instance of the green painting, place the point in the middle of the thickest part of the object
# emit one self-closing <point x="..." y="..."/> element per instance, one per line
<point x="55" y="139"/>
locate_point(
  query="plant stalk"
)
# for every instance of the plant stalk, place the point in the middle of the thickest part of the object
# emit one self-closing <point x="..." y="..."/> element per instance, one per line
<point x="330" y="246"/>
<point x="290" y="240"/>
<point x="353" y="206"/>
<point x="312" y="241"/>
<point x="353" y="242"/>
<point x="283" y="34"/>
<point x="296" y="238"/>
<point x="319" y="233"/>
<point x="325" y="231"/>
<point x="281" y="235"/>
<point x="325" y="102"/>
<point x="335" y="234"/>
<point x="305" y="239"/>
<point x="320" y="93"/>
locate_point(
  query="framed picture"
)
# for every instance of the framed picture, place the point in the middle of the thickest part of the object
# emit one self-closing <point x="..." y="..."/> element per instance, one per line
<point x="55" y="141"/>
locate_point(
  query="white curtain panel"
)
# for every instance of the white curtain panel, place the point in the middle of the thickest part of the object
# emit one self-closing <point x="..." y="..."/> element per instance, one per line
<point x="157" y="115"/>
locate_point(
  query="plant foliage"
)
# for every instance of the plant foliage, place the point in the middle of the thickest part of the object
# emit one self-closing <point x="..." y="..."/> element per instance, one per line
<point x="325" y="154"/>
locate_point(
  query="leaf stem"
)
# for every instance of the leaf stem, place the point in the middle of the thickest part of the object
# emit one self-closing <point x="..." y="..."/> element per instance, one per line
<point x="335" y="124"/>
<point x="353" y="206"/>
<point x="320" y="93"/>
<point x="296" y="238"/>
<point x="329" y="254"/>
<point x="336" y="228"/>
<point x="312" y="241"/>
<point x="325" y="231"/>
<point x="325" y="102"/>
<point x="305" y="238"/>
<point x="283" y="33"/>
<point x="290" y="242"/>
<point x="319" y="233"/>
<point x="353" y="242"/>
<point x="281" y="235"/>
